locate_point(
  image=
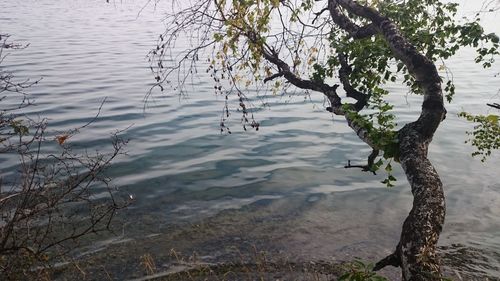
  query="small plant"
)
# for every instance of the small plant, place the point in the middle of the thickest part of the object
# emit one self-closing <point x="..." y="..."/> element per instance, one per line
<point x="48" y="199"/>
<point x="148" y="263"/>
<point x="360" y="271"/>
<point x="485" y="136"/>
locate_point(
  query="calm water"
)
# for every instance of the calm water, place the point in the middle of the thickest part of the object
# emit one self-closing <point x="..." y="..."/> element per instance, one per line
<point x="281" y="189"/>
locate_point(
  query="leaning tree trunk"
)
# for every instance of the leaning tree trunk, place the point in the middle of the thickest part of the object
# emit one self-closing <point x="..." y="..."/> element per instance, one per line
<point x="421" y="229"/>
<point x="416" y="250"/>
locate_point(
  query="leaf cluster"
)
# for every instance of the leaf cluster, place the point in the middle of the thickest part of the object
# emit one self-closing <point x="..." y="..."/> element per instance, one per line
<point x="360" y="271"/>
<point x="306" y="40"/>
<point x="485" y="136"/>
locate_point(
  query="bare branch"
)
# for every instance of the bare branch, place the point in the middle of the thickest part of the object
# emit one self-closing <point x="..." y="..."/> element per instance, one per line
<point x="274" y="76"/>
<point x="369" y="166"/>
<point x="47" y="203"/>
<point x="494" y="105"/>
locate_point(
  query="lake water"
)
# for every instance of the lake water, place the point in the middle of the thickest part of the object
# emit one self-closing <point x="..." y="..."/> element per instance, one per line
<point x="282" y="189"/>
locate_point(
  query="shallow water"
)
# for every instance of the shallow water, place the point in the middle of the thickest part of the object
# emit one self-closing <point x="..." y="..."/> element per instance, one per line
<point x="282" y="188"/>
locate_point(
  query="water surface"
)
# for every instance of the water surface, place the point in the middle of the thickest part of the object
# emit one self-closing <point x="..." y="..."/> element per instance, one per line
<point x="282" y="189"/>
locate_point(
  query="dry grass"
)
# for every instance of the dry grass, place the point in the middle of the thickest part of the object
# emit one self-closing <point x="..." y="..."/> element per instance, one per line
<point x="258" y="267"/>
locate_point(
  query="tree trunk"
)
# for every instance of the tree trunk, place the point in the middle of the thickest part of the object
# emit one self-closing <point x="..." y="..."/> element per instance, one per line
<point x="416" y="251"/>
<point x="422" y="227"/>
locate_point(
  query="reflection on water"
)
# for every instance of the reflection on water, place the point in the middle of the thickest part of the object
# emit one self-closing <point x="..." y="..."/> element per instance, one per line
<point x="282" y="189"/>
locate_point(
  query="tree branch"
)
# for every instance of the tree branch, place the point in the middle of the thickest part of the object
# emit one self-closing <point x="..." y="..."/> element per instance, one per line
<point x="494" y="105"/>
<point x="392" y="260"/>
<point x="355" y="31"/>
<point x="329" y="91"/>
<point x="344" y="72"/>
<point x="272" y="56"/>
<point x="418" y="65"/>
<point x="318" y="14"/>
<point x="274" y="76"/>
<point x="369" y="166"/>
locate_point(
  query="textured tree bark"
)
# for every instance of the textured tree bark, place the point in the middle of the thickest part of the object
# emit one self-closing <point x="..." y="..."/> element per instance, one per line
<point x="416" y="250"/>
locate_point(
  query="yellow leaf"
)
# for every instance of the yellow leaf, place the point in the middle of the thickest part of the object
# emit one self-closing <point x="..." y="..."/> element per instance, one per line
<point x="62" y="138"/>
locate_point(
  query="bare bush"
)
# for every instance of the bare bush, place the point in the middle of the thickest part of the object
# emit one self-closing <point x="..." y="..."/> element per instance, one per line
<point x="55" y="194"/>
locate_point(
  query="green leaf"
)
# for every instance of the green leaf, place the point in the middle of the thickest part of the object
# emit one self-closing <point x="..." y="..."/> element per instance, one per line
<point x="492" y="118"/>
<point x="19" y="128"/>
<point x="388" y="168"/>
<point x="218" y="37"/>
<point x="494" y="38"/>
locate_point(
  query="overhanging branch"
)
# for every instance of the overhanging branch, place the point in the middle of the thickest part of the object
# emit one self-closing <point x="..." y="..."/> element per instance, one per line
<point x="344" y="72"/>
<point x="419" y="66"/>
<point x="274" y="76"/>
<point x="329" y="91"/>
<point x="284" y="70"/>
<point x="354" y="30"/>
<point x="494" y="105"/>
